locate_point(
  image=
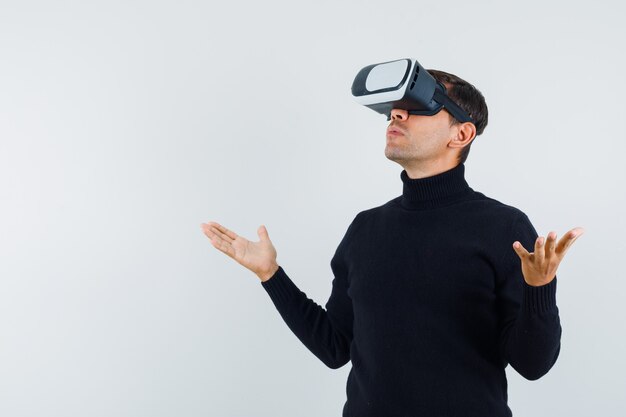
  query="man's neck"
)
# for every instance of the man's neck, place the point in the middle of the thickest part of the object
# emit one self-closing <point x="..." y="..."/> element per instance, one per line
<point x="424" y="170"/>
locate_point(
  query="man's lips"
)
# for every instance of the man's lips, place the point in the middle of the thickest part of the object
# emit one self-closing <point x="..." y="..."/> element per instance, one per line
<point x="392" y="131"/>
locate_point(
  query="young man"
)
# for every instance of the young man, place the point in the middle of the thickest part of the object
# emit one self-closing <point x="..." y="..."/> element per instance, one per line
<point x="432" y="295"/>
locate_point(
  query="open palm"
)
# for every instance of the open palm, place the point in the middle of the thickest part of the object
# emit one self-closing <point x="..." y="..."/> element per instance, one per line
<point x="259" y="257"/>
<point x="539" y="267"/>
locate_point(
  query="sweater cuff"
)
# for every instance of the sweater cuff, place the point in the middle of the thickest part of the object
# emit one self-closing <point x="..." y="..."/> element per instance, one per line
<point x="540" y="299"/>
<point x="280" y="288"/>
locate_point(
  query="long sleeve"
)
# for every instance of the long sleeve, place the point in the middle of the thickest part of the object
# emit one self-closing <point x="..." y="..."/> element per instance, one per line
<point x="327" y="333"/>
<point x="530" y="329"/>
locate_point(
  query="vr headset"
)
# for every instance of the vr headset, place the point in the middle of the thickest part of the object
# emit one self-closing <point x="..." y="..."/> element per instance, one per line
<point x="403" y="84"/>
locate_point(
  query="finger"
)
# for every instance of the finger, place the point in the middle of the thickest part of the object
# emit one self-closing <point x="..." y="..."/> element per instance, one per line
<point x="221" y="244"/>
<point x="520" y="250"/>
<point x="206" y="229"/>
<point x="539" y="249"/>
<point x="218" y="239"/>
<point x="262" y="232"/>
<point x="567" y="240"/>
<point x="209" y="230"/>
<point x="550" y="245"/>
<point x="224" y="246"/>
<point x="228" y="233"/>
<point x="223" y="232"/>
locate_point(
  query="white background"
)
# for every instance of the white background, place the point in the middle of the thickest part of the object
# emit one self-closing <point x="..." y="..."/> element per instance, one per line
<point x="126" y="124"/>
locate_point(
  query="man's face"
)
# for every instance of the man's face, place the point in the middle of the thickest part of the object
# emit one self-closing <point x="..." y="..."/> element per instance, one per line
<point x="421" y="139"/>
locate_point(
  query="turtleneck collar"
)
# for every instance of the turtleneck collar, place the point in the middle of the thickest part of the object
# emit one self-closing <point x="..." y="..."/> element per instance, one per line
<point x="434" y="191"/>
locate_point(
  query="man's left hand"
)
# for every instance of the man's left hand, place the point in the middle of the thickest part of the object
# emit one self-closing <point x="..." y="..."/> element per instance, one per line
<point x="539" y="267"/>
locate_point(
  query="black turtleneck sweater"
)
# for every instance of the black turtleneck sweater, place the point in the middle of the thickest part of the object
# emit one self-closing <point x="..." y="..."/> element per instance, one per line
<point x="429" y="304"/>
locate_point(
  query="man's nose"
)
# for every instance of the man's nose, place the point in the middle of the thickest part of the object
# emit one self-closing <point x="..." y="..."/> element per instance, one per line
<point x="400" y="114"/>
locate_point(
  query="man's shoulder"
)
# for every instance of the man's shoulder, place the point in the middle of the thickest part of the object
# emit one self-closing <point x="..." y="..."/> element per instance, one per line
<point x="495" y="207"/>
<point x="368" y="212"/>
<point x="379" y="210"/>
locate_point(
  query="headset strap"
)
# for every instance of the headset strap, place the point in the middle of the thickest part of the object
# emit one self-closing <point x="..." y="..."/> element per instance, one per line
<point x="454" y="109"/>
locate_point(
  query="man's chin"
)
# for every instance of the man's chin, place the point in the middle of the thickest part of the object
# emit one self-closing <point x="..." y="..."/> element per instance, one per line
<point x="392" y="155"/>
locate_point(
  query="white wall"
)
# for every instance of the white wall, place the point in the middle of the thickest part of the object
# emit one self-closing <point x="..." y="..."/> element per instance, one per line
<point x="124" y="125"/>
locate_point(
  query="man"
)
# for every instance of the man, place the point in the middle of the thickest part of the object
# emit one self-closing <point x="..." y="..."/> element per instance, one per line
<point x="435" y="291"/>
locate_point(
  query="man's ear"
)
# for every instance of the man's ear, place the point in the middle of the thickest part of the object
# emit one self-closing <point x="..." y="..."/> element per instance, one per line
<point x="466" y="132"/>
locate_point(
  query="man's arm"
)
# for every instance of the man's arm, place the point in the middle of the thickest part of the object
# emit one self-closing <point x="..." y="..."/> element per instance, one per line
<point x="530" y="329"/>
<point x="327" y="333"/>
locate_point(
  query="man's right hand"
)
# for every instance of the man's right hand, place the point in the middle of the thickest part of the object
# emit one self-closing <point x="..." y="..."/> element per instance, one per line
<point x="258" y="257"/>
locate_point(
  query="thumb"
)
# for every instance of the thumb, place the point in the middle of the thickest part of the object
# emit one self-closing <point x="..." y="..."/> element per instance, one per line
<point x="262" y="232"/>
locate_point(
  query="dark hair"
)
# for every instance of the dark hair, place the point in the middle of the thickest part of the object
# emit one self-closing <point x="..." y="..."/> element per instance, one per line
<point x="469" y="98"/>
